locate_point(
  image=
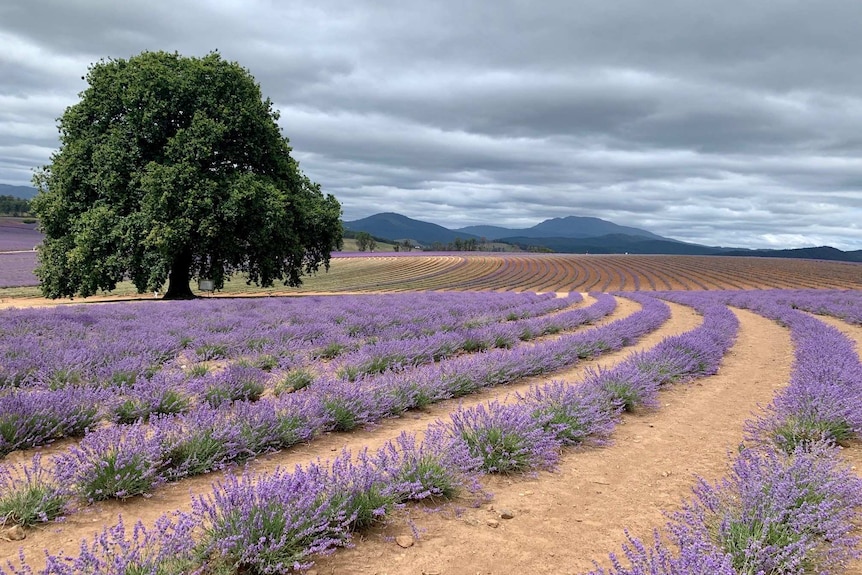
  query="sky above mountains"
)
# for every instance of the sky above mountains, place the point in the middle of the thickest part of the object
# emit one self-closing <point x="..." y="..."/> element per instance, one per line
<point x="732" y="123"/>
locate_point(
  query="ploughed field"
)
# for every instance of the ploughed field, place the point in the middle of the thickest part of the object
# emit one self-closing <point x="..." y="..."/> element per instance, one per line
<point x="439" y="431"/>
<point x="583" y="273"/>
<point x="520" y="272"/>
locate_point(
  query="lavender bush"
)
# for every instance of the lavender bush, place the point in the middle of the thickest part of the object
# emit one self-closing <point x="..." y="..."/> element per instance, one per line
<point x="440" y="467"/>
<point x="31" y="418"/>
<point x="777" y="513"/>
<point x="116" y="462"/>
<point x="574" y="414"/>
<point x="700" y="558"/>
<point x="165" y="549"/>
<point x="30" y="494"/>
<point x="270" y="524"/>
<point x="505" y="438"/>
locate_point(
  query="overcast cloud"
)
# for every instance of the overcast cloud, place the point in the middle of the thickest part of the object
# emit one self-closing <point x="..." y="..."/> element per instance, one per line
<point x="723" y="123"/>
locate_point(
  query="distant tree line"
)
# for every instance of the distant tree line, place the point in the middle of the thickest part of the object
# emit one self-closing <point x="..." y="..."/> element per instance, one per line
<point x="12" y="206"/>
<point x="466" y="245"/>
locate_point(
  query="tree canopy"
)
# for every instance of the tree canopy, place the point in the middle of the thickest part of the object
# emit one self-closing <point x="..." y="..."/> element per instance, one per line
<point x="172" y="168"/>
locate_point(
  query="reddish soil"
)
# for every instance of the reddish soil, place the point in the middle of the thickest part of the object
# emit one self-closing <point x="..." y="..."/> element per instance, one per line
<point x="563" y="521"/>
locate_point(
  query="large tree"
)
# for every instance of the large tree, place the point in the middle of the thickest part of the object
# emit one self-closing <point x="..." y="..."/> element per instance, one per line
<point x="173" y="168"/>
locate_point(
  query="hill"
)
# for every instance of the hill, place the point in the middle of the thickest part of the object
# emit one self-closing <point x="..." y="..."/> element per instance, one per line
<point x="614" y="244"/>
<point x="574" y="234"/>
<point x="819" y="253"/>
<point x="567" y="227"/>
<point x="397" y="227"/>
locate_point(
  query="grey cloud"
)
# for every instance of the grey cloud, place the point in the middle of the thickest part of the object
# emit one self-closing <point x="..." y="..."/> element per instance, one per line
<point x="736" y="123"/>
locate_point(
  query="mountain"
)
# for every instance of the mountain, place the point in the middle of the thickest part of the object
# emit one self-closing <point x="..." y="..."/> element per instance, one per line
<point x="574" y="234"/>
<point x="819" y="253"/>
<point x="568" y="227"/>
<point x="23" y="192"/>
<point x="491" y="232"/>
<point x="398" y="227"/>
<point x="613" y="244"/>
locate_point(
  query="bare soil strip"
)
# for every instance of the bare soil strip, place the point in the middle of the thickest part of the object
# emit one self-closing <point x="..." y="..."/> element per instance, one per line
<point x="565" y="520"/>
<point x="85" y="523"/>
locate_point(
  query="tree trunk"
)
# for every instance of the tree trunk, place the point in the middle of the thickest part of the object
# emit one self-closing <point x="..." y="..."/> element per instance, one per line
<point x="178" y="280"/>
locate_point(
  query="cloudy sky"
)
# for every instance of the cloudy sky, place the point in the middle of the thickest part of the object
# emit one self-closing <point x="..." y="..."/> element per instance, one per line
<point x="724" y="123"/>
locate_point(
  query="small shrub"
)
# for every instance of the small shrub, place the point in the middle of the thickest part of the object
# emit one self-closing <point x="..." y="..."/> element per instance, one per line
<point x="198" y="369"/>
<point x="574" y="414"/>
<point x="294" y="380"/>
<point x="439" y="467"/>
<point x="236" y="383"/>
<point x="505" y="438"/>
<point x="270" y="524"/>
<point x="30" y="495"/>
<point x="802" y="431"/>
<point x="114" y="462"/>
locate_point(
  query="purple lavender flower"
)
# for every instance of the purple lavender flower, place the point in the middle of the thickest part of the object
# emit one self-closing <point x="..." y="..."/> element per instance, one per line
<point x="114" y="462"/>
<point x="573" y="413"/>
<point x="270" y="524"/>
<point x="505" y="438"/>
<point x="30" y="494"/>
<point x="698" y="559"/>
<point x="167" y="548"/>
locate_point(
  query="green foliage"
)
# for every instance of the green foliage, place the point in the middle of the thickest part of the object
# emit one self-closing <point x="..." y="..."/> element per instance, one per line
<point x="432" y="475"/>
<point x="12" y="206"/>
<point x="175" y="168"/>
<point x="364" y="242"/>
<point x="32" y="504"/>
<point x="294" y="380"/>
<point x="803" y="430"/>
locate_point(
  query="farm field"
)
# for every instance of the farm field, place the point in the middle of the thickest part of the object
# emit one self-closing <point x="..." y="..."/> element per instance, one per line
<point x="211" y="406"/>
<point x="372" y="272"/>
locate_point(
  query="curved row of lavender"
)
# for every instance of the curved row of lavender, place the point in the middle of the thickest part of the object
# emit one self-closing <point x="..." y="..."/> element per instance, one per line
<point x="63" y="370"/>
<point x="124" y="461"/>
<point x="109" y="344"/>
<point x="272" y="523"/>
<point x="789" y="504"/>
<point x="843" y="304"/>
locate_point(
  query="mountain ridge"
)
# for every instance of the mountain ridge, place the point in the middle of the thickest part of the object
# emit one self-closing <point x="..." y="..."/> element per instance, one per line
<point x="616" y="239"/>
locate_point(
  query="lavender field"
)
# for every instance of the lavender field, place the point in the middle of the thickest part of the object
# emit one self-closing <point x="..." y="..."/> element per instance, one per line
<point x="15" y="235"/>
<point x="146" y="394"/>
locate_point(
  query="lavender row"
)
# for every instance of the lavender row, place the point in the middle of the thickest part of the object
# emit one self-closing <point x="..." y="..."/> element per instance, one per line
<point x="110" y="345"/>
<point x="845" y="305"/>
<point x="124" y="461"/>
<point x="275" y="522"/>
<point x="788" y="505"/>
<point x="32" y="418"/>
<point x="387" y="355"/>
<point x="824" y="397"/>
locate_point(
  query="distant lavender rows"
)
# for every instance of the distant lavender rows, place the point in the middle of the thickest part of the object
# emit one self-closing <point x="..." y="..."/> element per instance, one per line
<point x="104" y="344"/>
<point x="16" y="235"/>
<point x="16" y="269"/>
<point x="789" y="504"/>
<point x="318" y="507"/>
<point x="66" y="369"/>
